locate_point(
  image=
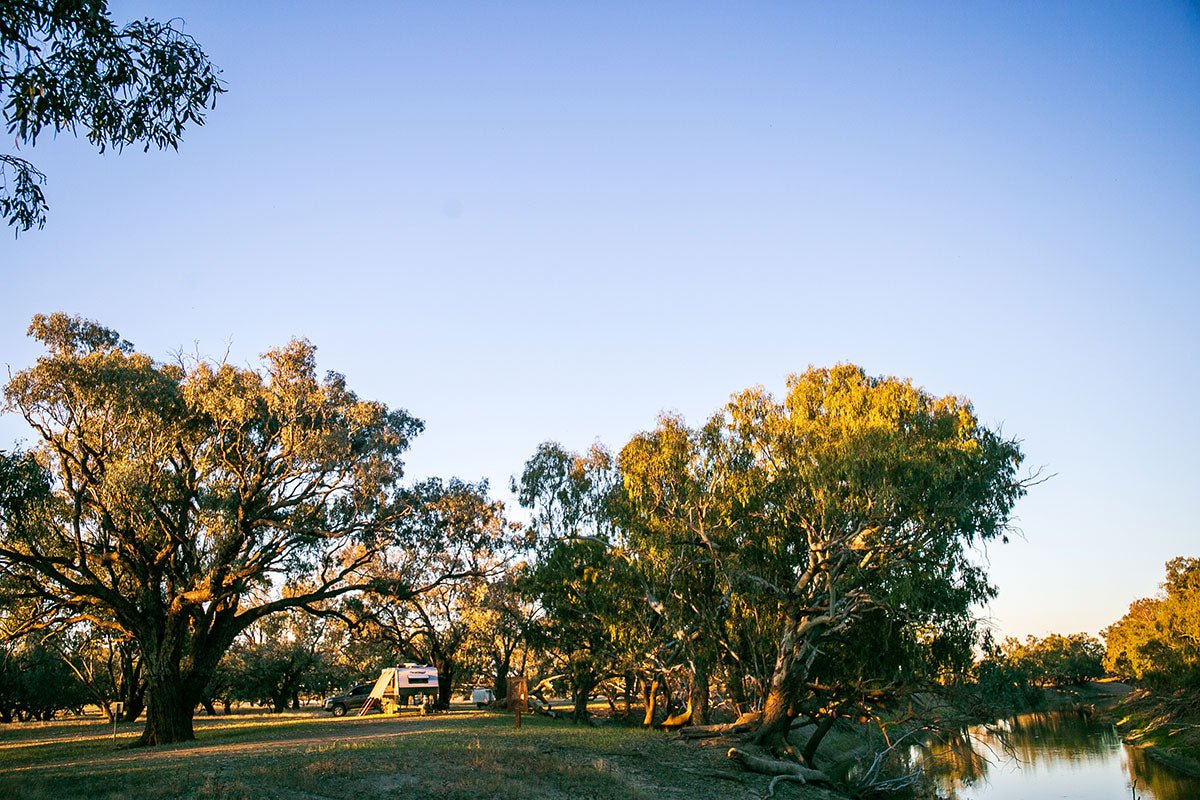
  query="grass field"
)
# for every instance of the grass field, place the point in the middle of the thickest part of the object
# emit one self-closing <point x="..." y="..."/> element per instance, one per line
<point x="309" y="755"/>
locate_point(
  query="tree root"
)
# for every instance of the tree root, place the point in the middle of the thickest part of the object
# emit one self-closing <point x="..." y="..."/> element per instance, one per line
<point x="780" y="779"/>
<point x="772" y="766"/>
<point x="719" y="774"/>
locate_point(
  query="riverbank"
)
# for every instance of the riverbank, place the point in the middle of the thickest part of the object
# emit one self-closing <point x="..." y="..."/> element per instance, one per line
<point x="1102" y="695"/>
<point x="1166" y="728"/>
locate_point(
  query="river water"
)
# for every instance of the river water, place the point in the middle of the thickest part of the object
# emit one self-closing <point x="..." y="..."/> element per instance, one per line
<point x="1059" y="755"/>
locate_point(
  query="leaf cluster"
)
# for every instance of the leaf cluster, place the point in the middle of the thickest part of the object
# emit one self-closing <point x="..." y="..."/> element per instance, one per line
<point x="66" y="66"/>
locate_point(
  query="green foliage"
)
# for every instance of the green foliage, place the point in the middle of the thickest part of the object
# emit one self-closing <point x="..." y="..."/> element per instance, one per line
<point x="1157" y="642"/>
<point x="499" y="618"/>
<point x="24" y="487"/>
<point x="679" y="517"/>
<point x="35" y="683"/>
<point x="1004" y="686"/>
<point x="817" y="553"/>
<point x="271" y="663"/>
<point x="848" y="512"/>
<point x="1008" y="677"/>
<point x="67" y="65"/>
<point x="589" y="607"/>
<point x="589" y="596"/>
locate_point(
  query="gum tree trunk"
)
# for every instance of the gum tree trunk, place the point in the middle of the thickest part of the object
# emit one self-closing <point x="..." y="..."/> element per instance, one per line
<point x="583" y="693"/>
<point x="810" y="747"/>
<point x="169" y="710"/>
<point x="177" y="665"/>
<point x="500" y="677"/>
<point x="135" y="701"/>
<point x="699" y="697"/>
<point x="650" y="694"/>
<point x="797" y="650"/>
<point x="737" y="691"/>
<point x="446" y="667"/>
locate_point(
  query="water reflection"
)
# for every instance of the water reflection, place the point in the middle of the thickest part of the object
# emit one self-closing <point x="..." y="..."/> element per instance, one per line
<point x="1066" y="755"/>
<point x="1155" y="781"/>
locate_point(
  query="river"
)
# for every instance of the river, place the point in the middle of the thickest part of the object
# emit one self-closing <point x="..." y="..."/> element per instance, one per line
<point x="1059" y="755"/>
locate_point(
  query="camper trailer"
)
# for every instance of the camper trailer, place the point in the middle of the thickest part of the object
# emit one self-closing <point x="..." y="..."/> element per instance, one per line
<point x="414" y="682"/>
<point x="395" y="687"/>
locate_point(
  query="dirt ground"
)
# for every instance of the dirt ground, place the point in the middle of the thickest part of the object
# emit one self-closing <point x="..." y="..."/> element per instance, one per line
<point x="310" y="755"/>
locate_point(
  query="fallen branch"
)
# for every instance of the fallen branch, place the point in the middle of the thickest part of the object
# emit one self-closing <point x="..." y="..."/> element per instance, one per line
<point x="773" y="766"/>
<point x="743" y="724"/>
<point x="540" y="706"/>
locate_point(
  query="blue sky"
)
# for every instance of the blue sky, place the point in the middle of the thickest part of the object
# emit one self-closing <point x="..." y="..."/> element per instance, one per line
<point x="543" y="221"/>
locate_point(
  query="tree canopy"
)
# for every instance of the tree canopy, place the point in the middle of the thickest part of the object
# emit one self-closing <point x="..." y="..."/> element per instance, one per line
<point x="815" y="554"/>
<point x="179" y="503"/>
<point x="65" y="65"/>
<point x="854" y="495"/>
<point x="1157" y="642"/>
<point x="1055" y="660"/>
<point x="812" y="557"/>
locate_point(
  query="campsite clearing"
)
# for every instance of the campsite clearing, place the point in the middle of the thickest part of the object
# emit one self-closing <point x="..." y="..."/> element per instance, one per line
<point x="310" y="755"/>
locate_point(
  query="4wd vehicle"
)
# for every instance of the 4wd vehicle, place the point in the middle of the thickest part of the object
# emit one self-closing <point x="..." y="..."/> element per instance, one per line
<point x="351" y="701"/>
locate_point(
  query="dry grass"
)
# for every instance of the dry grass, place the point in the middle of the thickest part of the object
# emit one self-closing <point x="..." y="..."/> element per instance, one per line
<point x="310" y="755"/>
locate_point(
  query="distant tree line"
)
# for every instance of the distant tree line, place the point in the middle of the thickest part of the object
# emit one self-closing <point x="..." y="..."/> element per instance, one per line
<point x="1012" y="674"/>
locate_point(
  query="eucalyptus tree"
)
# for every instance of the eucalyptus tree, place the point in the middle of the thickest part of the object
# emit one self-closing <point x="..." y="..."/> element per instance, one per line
<point x="678" y="516"/>
<point x="869" y="494"/>
<point x="68" y="65"/>
<point x="271" y="661"/>
<point x="1157" y="642"/>
<point x="36" y="683"/>
<point x="107" y="665"/>
<point x="179" y="503"/>
<point x="499" y="618"/>
<point x="1056" y="660"/>
<point x="588" y="594"/>
<point x="845" y="513"/>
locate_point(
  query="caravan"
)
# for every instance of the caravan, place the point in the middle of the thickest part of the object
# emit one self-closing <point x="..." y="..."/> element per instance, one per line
<point x="395" y="687"/>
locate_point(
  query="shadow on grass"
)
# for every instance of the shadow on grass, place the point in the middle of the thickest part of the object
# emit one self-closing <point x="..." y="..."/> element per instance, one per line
<point x="306" y="756"/>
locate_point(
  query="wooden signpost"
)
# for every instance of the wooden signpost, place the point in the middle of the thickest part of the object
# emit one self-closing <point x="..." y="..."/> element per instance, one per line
<point x="117" y="710"/>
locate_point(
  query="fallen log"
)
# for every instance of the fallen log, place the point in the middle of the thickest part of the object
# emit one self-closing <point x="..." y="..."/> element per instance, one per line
<point x="743" y="724"/>
<point x="540" y="706"/>
<point x="773" y="766"/>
